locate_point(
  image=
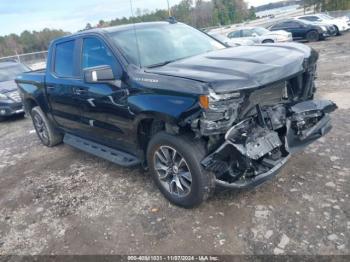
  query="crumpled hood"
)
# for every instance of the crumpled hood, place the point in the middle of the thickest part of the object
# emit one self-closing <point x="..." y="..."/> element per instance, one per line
<point x="7" y="86"/>
<point x="242" y="67"/>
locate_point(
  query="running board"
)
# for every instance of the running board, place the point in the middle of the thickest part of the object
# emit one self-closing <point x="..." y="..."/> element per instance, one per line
<point x="110" y="154"/>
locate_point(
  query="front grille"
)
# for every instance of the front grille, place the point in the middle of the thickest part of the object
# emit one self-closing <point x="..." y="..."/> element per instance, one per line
<point x="14" y="96"/>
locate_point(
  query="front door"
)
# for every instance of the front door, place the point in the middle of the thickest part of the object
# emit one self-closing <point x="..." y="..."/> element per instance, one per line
<point x="105" y="113"/>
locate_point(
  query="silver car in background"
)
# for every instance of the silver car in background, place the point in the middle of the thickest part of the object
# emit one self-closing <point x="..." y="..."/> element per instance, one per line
<point x="261" y="35"/>
<point x="232" y="41"/>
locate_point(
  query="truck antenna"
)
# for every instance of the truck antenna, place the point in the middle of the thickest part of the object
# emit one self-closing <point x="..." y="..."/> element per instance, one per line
<point x="136" y="38"/>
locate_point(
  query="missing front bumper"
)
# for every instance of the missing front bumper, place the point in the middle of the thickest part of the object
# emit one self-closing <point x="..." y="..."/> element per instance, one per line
<point x="252" y="153"/>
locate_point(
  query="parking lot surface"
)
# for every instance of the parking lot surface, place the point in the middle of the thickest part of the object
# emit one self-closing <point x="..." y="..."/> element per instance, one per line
<point x="63" y="201"/>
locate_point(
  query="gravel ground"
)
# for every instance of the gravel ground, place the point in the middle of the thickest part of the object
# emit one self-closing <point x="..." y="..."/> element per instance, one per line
<point x="63" y="201"/>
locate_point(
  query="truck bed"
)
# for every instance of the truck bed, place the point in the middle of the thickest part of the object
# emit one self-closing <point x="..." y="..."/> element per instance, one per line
<point x="34" y="77"/>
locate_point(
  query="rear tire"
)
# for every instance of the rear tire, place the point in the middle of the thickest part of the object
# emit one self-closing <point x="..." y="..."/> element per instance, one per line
<point x="268" y="41"/>
<point x="313" y="36"/>
<point x="337" y="31"/>
<point x="44" y="129"/>
<point x="196" y="186"/>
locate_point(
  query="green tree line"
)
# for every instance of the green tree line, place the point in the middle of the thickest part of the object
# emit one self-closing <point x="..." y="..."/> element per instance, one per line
<point x="198" y="13"/>
<point x="28" y="41"/>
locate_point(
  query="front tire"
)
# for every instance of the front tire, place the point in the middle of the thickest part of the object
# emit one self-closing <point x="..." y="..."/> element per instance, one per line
<point x="338" y="33"/>
<point x="174" y="162"/>
<point x="44" y="129"/>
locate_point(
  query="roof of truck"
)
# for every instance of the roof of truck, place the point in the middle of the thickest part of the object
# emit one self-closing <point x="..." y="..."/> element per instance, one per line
<point x="118" y="28"/>
<point x="112" y="29"/>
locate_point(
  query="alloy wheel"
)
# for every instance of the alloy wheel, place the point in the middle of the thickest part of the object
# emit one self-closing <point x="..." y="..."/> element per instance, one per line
<point x="173" y="171"/>
<point x="41" y="128"/>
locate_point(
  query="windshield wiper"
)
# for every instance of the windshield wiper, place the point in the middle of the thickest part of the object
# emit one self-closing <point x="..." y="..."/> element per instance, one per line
<point x="162" y="63"/>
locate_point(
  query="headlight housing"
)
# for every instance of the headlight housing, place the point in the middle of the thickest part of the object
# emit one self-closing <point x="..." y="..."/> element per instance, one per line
<point x="220" y="112"/>
<point x="214" y="100"/>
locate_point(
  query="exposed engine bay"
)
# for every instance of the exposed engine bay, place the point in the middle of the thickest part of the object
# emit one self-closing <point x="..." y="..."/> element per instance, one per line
<point x="258" y="146"/>
<point x="251" y="134"/>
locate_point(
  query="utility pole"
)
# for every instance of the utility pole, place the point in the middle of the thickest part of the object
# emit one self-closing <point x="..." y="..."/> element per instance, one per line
<point x="169" y="11"/>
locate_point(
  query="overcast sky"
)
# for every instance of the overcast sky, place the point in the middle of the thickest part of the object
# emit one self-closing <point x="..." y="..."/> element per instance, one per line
<point x="72" y="15"/>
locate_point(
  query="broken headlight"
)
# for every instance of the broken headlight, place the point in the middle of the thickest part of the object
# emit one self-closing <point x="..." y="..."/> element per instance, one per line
<point x="220" y="112"/>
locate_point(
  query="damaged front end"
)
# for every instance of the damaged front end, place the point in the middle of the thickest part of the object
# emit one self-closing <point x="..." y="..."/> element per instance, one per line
<point x="257" y="147"/>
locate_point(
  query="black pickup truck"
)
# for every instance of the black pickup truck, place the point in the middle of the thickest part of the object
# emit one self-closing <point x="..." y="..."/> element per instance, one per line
<point x="166" y="96"/>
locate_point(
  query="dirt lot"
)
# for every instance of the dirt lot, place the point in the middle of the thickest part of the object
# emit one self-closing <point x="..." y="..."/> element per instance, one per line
<point x="63" y="201"/>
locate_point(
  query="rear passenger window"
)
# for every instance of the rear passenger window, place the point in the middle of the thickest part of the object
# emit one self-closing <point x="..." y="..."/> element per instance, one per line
<point x="247" y="33"/>
<point x="64" y="59"/>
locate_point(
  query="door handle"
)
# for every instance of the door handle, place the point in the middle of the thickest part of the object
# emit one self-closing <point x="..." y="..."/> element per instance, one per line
<point x="50" y="87"/>
<point x="79" y="91"/>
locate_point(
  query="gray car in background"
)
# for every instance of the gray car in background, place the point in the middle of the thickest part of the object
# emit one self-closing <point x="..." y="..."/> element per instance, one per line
<point x="10" y="100"/>
<point x="260" y="35"/>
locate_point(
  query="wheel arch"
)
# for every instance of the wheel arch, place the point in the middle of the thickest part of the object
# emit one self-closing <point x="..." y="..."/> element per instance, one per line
<point x="149" y="123"/>
<point x="29" y="103"/>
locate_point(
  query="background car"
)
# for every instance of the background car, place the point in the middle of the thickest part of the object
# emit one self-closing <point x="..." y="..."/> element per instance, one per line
<point x="10" y="100"/>
<point x="232" y="41"/>
<point x="261" y="35"/>
<point x="340" y="24"/>
<point x="301" y="30"/>
<point x="331" y="29"/>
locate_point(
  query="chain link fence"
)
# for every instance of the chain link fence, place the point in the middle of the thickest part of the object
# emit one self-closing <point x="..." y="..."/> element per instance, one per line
<point x="34" y="61"/>
<point x="339" y="13"/>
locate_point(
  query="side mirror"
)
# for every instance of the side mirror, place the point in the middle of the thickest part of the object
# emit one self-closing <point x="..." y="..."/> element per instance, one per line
<point x="98" y="74"/>
<point x="254" y="34"/>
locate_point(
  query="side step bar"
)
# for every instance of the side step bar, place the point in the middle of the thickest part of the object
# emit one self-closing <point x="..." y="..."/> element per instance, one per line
<point x="110" y="154"/>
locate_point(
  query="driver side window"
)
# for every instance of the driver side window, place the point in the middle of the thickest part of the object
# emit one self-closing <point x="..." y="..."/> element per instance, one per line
<point x="96" y="53"/>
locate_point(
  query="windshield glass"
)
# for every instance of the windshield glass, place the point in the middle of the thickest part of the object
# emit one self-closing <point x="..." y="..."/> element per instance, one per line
<point x="10" y="72"/>
<point x="162" y="43"/>
<point x="221" y="38"/>
<point x="326" y="16"/>
<point x="260" y="31"/>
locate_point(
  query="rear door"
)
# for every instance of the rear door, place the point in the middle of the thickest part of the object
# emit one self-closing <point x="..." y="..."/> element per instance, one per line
<point x="249" y="34"/>
<point x="62" y="85"/>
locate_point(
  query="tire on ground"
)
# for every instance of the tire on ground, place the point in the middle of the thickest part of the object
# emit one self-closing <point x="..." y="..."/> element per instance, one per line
<point x="54" y="137"/>
<point x="268" y="41"/>
<point x="203" y="182"/>
<point x="313" y="36"/>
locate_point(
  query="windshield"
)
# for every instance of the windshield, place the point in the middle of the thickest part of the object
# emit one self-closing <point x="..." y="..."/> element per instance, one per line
<point x="326" y="16"/>
<point x="221" y="38"/>
<point x="260" y="31"/>
<point x="10" y="72"/>
<point x="162" y="43"/>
